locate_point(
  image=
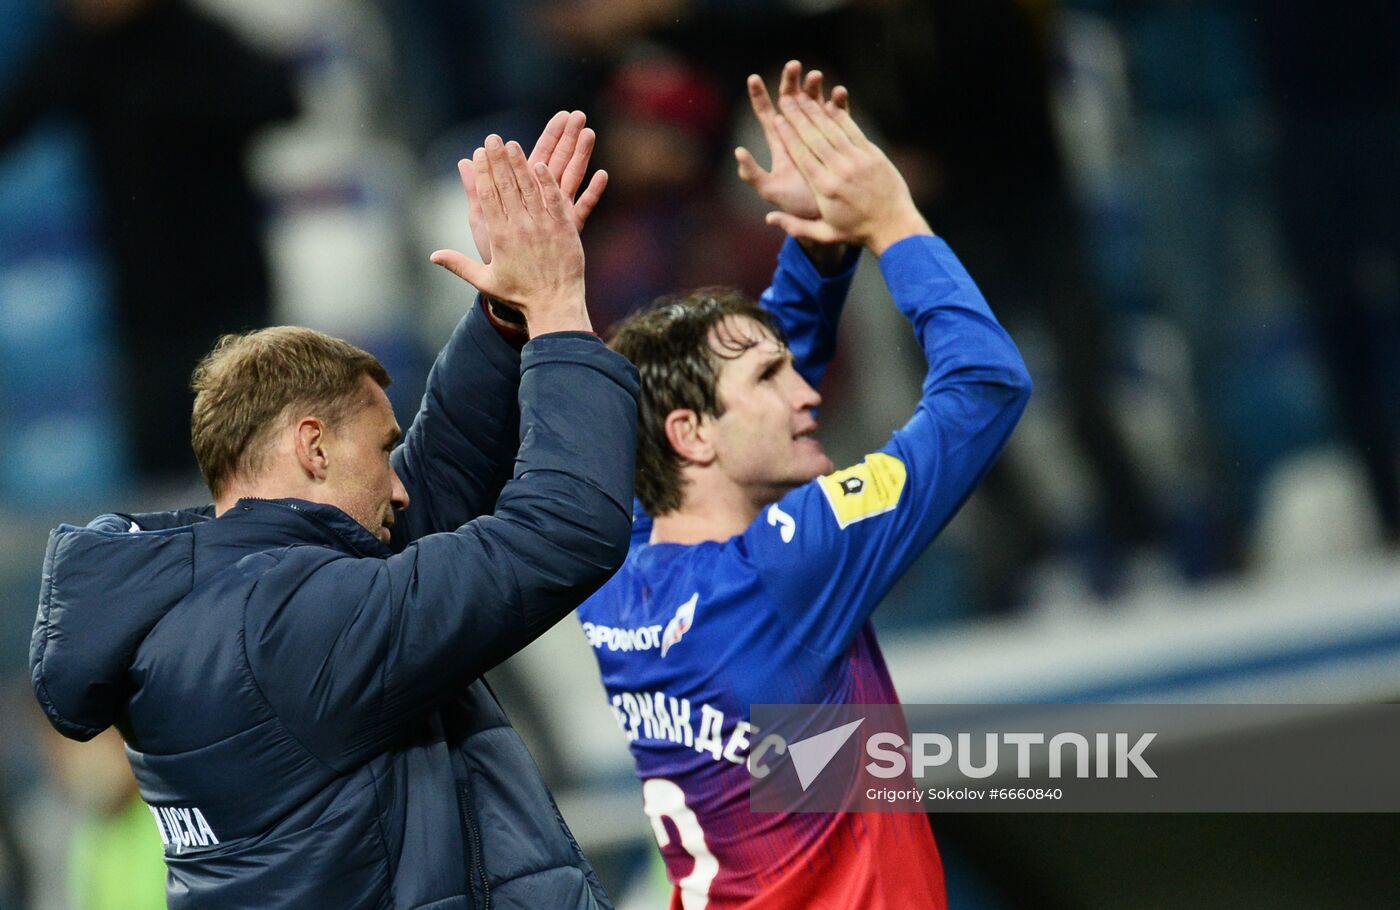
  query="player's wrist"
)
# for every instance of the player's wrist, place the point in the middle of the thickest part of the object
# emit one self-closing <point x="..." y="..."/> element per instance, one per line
<point x="827" y="258"/>
<point x="889" y="232"/>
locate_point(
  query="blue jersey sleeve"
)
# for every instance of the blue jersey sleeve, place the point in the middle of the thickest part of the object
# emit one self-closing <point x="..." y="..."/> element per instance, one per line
<point x="830" y="550"/>
<point x="807" y="306"/>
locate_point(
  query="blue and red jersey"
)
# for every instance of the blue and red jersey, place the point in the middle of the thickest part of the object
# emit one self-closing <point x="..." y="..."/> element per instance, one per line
<point x="688" y="637"/>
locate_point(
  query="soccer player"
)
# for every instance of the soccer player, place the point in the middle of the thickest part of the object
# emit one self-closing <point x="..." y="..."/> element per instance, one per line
<point x="764" y="565"/>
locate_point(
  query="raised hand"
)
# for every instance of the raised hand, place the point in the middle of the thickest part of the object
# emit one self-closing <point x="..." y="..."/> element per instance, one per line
<point x="565" y="146"/>
<point x="860" y="196"/>
<point x="537" y="264"/>
<point x="783" y="185"/>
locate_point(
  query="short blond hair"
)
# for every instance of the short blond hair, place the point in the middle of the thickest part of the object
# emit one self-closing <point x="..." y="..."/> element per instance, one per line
<point x="250" y="382"/>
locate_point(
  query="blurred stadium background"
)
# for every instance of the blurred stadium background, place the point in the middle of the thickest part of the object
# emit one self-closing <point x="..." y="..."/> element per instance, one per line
<point x="1184" y="210"/>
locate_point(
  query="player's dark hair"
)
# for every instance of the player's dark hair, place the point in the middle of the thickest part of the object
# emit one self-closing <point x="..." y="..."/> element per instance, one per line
<point x="674" y="346"/>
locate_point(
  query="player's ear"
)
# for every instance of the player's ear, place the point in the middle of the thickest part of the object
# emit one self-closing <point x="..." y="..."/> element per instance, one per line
<point x="309" y="440"/>
<point x="688" y="435"/>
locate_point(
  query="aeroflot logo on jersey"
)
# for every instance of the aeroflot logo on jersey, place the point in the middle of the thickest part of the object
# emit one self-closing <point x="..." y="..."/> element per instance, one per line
<point x="645" y="638"/>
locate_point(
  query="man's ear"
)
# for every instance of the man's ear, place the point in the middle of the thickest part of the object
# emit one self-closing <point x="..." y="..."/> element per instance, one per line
<point x="689" y="436"/>
<point x="309" y="438"/>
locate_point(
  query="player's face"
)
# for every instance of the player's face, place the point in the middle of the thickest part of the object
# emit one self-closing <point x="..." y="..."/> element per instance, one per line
<point x="360" y="480"/>
<point x="765" y="441"/>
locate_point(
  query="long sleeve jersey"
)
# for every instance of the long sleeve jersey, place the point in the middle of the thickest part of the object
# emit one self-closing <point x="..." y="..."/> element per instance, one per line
<point x="688" y="637"/>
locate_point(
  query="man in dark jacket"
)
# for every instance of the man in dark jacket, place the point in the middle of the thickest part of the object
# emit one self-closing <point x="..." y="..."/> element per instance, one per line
<point x="297" y="669"/>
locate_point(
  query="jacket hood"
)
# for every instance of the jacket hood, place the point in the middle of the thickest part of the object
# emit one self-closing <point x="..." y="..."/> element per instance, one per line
<point x="104" y="588"/>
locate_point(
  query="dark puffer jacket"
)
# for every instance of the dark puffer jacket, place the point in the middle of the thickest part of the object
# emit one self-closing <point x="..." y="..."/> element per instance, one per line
<point x="303" y="706"/>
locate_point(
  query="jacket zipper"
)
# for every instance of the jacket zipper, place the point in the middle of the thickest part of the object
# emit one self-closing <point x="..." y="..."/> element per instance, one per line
<point x="480" y="884"/>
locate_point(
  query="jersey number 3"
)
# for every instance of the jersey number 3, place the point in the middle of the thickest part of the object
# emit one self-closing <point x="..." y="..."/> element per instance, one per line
<point x="663" y="799"/>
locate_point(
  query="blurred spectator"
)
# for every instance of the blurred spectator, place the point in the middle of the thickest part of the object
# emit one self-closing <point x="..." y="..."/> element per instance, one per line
<point x="1336" y="85"/>
<point x="665" y="226"/>
<point x="115" y="859"/>
<point x="168" y="99"/>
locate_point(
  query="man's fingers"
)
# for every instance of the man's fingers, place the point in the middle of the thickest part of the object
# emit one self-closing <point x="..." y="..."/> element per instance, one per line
<point x="749" y="170"/>
<point x="804" y="228"/>
<point x="571" y="176"/>
<point x="502" y="177"/>
<point x="821" y="119"/>
<point x="481" y="235"/>
<point x="763" y="111"/>
<point x="788" y="81"/>
<point x="549" y="138"/>
<point x="468" y="178"/>
<point x="464" y="267"/>
<point x="467" y="173"/>
<point x="796" y="116"/>
<point x="807" y="163"/>
<point x="487" y="195"/>
<point x="840" y="114"/>
<point x="841" y="98"/>
<point x="588" y="200"/>
<point x="570" y="158"/>
<point x="759" y="100"/>
<point x="552" y="199"/>
<point x="520" y="168"/>
<point x="812" y="85"/>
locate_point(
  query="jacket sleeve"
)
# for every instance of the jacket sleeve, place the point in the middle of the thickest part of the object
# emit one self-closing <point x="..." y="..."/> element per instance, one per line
<point x="459" y="451"/>
<point x="807" y="306"/>
<point x="864" y="525"/>
<point x="356" y="649"/>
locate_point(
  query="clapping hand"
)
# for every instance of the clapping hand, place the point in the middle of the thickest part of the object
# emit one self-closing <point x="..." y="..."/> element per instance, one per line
<point x="860" y="196"/>
<point x="565" y="146"/>
<point x="537" y="259"/>
<point x="783" y="185"/>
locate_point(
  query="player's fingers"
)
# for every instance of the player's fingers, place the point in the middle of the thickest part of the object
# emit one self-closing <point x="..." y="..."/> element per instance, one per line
<point x="807" y="163"/>
<point x="790" y="78"/>
<point x="520" y="169"/>
<point x="763" y="110"/>
<point x="549" y="138"/>
<point x="795" y="114"/>
<point x="812" y="85"/>
<point x="502" y="177"/>
<point x="841" y="116"/>
<point x="551" y="199"/>
<point x="749" y="170"/>
<point x="488" y="196"/>
<point x="571" y="177"/>
<point x="464" y="267"/>
<point x="588" y="200"/>
<point x="804" y="228"/>
<point x="841" y="98"/>
<point x="571" y="157"/>
<point x="830" y="131"/>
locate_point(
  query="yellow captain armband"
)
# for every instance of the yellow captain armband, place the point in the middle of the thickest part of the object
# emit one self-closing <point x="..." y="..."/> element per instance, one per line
<point x="864" y="490"/>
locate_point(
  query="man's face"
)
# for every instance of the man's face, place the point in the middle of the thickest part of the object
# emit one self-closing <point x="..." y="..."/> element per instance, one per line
<point x="359" y="478"/>
<point x="764" y="441"/>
